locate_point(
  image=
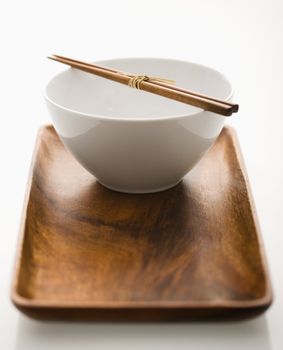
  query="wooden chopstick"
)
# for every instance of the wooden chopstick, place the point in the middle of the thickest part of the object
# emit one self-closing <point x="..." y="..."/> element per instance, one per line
<point x="235" y="106"/>
<point x="182" y="95"/>
<point x="218" y="106"/>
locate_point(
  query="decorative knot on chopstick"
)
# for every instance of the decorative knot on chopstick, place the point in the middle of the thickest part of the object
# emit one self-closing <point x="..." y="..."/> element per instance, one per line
<point x="136" y="80"/>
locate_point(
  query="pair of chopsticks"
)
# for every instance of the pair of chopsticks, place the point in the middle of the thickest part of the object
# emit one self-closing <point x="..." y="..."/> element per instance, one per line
<point x="157" y="87"/>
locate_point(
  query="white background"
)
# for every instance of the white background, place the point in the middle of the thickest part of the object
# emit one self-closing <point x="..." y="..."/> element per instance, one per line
<point x="242" y="38"/>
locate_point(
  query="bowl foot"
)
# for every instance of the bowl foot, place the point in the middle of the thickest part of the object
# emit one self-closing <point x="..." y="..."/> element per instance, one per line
<point x="139" y="191"/>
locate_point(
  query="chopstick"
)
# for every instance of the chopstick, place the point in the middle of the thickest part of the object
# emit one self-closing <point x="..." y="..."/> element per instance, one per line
<point x="235" y="106"/>
<point x="179" y="94"/>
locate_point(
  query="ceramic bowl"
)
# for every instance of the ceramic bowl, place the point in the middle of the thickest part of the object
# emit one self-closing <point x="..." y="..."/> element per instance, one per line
<point x="130" y="140"/>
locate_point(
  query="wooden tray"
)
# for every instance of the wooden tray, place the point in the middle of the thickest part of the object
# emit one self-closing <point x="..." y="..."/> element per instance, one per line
<point x="88" y="253"/>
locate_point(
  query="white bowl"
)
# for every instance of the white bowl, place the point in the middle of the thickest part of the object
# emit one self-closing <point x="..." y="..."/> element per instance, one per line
<point x="130" y="140"/>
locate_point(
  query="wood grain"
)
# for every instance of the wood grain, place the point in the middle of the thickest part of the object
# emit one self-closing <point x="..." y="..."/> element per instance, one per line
<point x="191" y="252"/>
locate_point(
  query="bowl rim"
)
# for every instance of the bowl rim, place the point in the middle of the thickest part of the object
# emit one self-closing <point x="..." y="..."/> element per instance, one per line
<point x="138" y="119"/>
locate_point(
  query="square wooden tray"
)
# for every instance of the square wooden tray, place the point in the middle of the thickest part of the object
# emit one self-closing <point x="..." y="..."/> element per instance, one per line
<point x="88" y="253"/>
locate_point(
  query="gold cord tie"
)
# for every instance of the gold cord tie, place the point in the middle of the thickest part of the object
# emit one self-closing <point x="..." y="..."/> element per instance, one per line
<point x="136" y="80"/>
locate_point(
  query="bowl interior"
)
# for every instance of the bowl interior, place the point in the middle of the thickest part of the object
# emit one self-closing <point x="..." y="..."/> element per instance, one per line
<point x="88" y="94"/>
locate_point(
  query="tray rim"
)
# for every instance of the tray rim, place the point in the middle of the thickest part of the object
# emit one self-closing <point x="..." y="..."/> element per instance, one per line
<point x="23" y="302"/>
